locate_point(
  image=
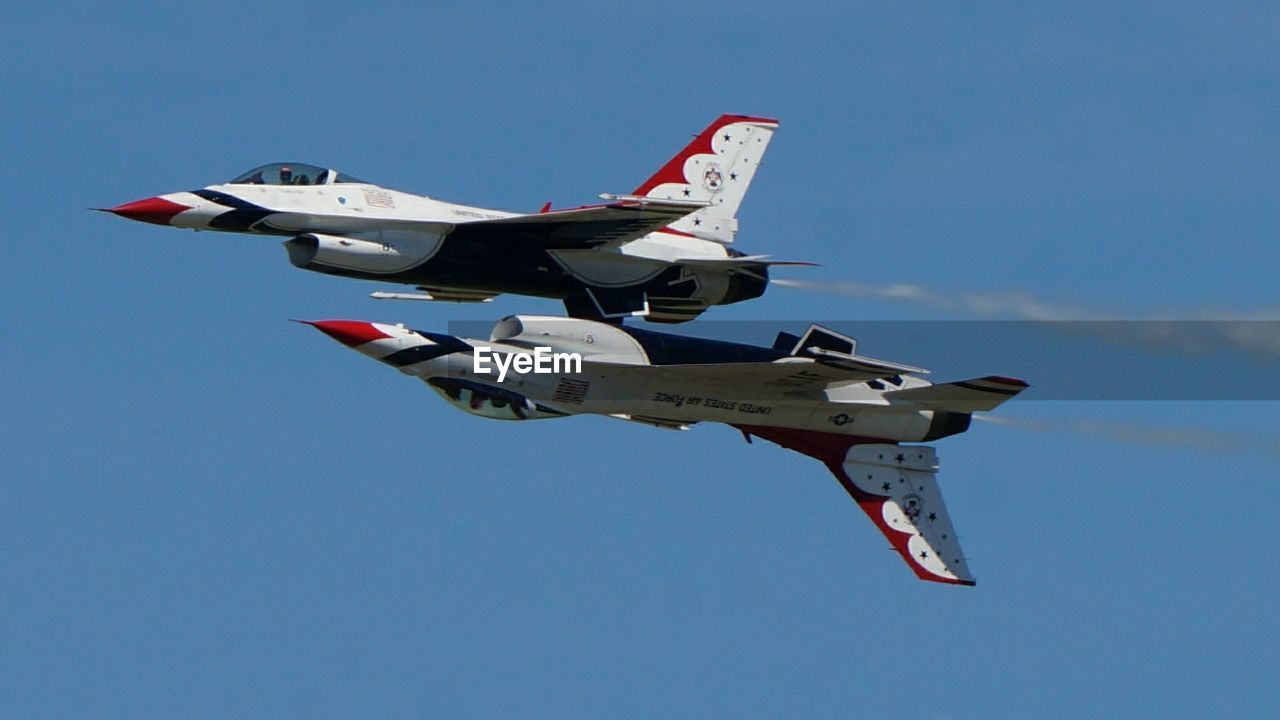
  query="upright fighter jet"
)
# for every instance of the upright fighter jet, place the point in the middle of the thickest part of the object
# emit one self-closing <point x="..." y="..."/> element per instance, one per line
<point x="661" y="252"/>
<point x="812" y="393"/>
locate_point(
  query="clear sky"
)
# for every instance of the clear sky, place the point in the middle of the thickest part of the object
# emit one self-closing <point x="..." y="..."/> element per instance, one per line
<point x="209" y="512"/>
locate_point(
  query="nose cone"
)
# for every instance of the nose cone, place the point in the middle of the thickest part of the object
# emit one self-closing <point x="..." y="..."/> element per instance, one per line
<point x="351" y="333"/>
<point x="153" y="210"/>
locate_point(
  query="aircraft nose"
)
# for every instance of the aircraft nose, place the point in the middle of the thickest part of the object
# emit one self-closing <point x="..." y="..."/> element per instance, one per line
<point x="351" y="333"/>
<point x="153" y="210"/>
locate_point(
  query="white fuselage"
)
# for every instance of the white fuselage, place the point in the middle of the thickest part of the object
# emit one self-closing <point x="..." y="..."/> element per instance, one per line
<point x="367" y="211"/>
<point x="617" y="381"/>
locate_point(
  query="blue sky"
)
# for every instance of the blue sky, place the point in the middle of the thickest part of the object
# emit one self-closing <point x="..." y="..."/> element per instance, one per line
<point x="208" y="511"/>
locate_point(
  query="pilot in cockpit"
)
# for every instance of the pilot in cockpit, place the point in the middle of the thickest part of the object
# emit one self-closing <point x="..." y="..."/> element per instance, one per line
<point x="286" y="176"/>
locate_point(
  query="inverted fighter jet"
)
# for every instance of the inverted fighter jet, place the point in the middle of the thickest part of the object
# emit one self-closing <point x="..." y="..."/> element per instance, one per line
<point x="812" y="394"/>
<point x="661" y="252"/>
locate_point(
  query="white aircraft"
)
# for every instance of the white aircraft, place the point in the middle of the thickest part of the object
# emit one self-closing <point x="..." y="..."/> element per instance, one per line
<point x="661" y="252"/>
<point x="812" y="394"/>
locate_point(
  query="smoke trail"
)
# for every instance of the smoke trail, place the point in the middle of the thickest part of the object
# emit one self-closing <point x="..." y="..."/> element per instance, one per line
<point x="1196" y="332"/>
<point x="1016" y="305"/>
<point x="1199" y="439"/>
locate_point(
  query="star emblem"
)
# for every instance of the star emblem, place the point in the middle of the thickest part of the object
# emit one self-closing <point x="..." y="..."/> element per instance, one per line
<point x="726" y="137"/>
<point x="733" y="176"/>
<point x="697" y="221"/>
<point x="924" y="554"/>
<point x="686" y="192"/>
<point x="885" y="487"/>
<point x="900" y="457"/>
<point x="933" y="516"/>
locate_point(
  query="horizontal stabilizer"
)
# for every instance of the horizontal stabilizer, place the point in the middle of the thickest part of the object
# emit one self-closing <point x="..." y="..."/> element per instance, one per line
<point x="616" y="223"/>
<point x="861" y="363"/>
<point x="752" y="265"/>
<point x="790" y="373"/>
<point x="979" y="394"/>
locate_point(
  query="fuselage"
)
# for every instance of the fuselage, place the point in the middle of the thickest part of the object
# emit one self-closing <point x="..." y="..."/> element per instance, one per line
<point x="340" y="225"/>
<point x="625" y="372"/>
<point x="809" y="393"/>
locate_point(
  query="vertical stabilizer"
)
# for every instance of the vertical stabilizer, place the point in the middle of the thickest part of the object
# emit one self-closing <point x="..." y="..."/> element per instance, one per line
<point x="717" y="167"/>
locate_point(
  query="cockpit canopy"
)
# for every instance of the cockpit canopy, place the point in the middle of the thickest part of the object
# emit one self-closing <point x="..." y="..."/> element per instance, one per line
<point x="292" y="174"/>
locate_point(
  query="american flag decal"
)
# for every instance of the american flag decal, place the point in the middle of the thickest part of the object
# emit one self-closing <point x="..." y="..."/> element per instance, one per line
<point x="379" y="198"/>
<point x="571" y="391"/>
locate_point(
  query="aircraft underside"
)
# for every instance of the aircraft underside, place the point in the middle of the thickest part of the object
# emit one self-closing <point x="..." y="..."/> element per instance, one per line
<point x="662" y="292"/>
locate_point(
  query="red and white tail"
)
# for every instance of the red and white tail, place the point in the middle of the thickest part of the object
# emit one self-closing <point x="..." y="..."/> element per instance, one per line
<point x="716" y="167"/>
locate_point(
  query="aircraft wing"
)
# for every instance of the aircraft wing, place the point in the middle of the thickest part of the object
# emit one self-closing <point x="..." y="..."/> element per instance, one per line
<point x="896" y="486"/>
<point x="615" y="222"/>
<point x="798" y="373"/>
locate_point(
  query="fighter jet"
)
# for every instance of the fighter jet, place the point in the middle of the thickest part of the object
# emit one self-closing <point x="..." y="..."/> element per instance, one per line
<point x="811" y="393"/>
<point x="660" y="252"/>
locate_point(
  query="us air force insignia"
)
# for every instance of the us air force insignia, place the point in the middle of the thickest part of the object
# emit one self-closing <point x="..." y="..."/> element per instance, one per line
<point x="712" y="179"/>
<point x="911" y="505"/>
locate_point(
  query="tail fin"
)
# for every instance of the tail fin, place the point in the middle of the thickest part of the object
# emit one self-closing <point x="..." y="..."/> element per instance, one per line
<point x="716" y="167"/>
<point x="895" y="485"/>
